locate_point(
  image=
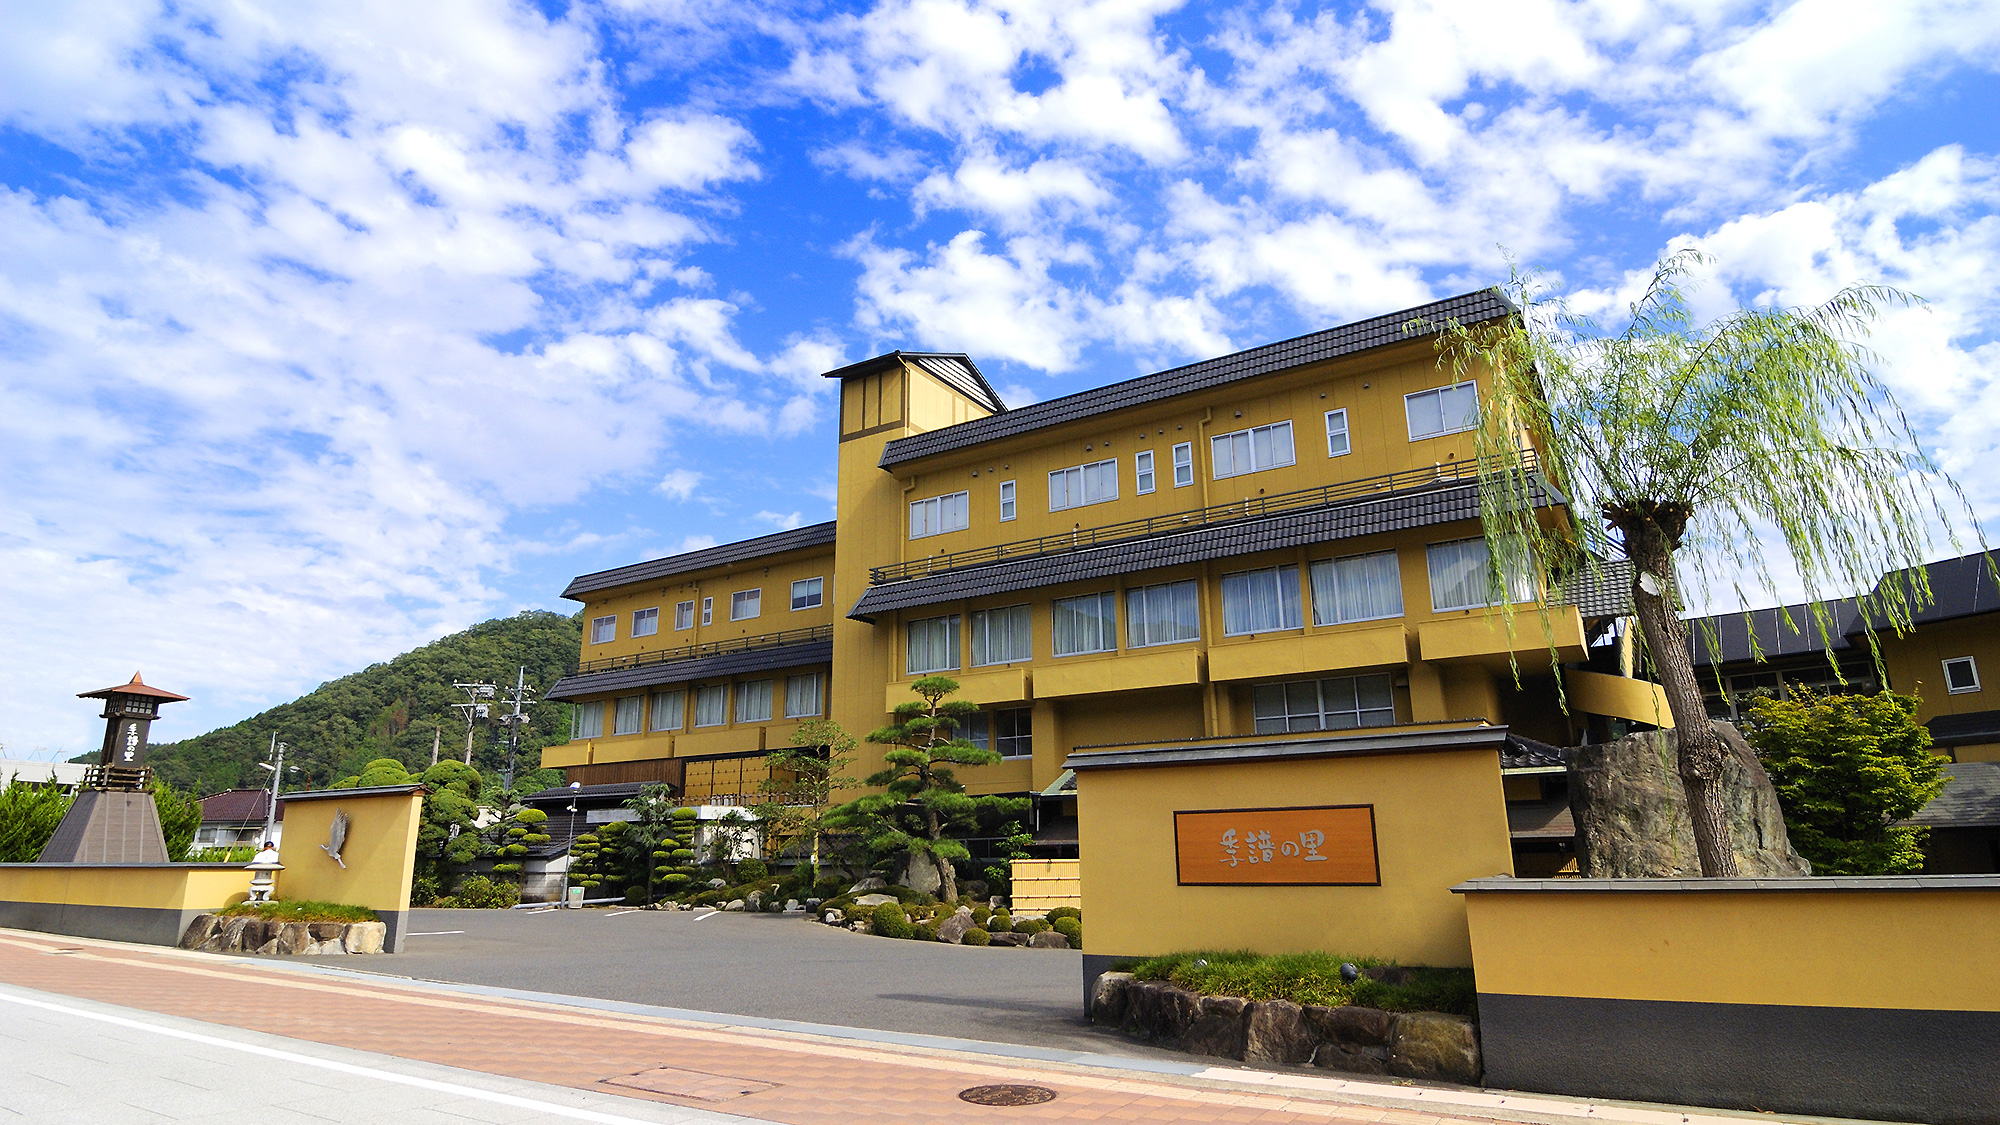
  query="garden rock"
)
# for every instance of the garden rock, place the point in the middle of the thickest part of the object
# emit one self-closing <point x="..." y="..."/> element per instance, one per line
<point x="794" y="906"/>
<point x="717" y="884"/>
<point x="1354" y="1060"/>
<point x="864" y="926"/>
<point x="1000" y="938"/>
<point x="735" y="904"/>
<point x="871" y="883"/>
<point x="836" y="917"/>
<point x="1217" y="1028"/>
<point x="754" y="902"/>
<point x="1157" y="1010"/>
<point x="1631" y="811"/>
<point x="920" y="874"/>
<point x="1275" y="1031"/>
<point x="953" y="929"/>
<point x="1048" y="939"/>
<point x="1430" y="1045"/>
<point x="872" y="901"/>
<point x="366" y="937"/>
<point x="200" y="930"/>
<point x="1351" y="1026"/>
<point x="1107" y="998"/>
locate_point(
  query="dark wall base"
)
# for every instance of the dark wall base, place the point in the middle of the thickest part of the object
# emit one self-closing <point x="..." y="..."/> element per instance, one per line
<point x="1095" y="965"/>
<point x="143" y="924"/>
<point x="1884" y="1064"/>
<point x="398" y="925"/>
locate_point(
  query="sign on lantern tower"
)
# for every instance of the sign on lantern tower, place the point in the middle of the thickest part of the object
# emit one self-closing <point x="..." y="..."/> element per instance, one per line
<point x="113" y="819"/>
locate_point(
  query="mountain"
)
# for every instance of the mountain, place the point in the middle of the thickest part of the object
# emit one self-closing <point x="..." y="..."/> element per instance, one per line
<point x="392" y="710"/>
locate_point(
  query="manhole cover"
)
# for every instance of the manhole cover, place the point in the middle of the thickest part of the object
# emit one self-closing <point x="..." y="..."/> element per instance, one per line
<point x="1007" y="1095"/>
<point x="694" y="1084"/>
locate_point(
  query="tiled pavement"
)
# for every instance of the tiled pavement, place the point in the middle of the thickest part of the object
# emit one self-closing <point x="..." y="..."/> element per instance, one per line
<point x="757" y="1073"/>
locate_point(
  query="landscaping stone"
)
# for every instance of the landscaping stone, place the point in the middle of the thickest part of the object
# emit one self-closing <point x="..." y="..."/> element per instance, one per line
<point x="200" y="930"/>
<point x="735" y="904"/>
<point x="1430" y="1045"/>
<point x="1354" y="1060"/>
<point x="754" y="902"/>
<point x="717" y="884"/>
<point x="864" y="926"/>
<point x="1351" y="1026"/>
<point x="1048" y="939"/>
<point x="920" y="874"/>
<point x="836" y="917"/>
<point x="871" y="883"/>
<point x="874" y="900"/>
<point x="1158" y="1011"/>
<point x="1107" y="999"/>
<point x="1003" y="938"/>
<point x="793" y="906"/>
<point x="1217" y="1028"/>
<point x="324" y="931"/>
<point x="366" y="937"/>
<point x="1631" y="811"/>
<point x="953" y="929"/>
<point x="1275" y="1031"/>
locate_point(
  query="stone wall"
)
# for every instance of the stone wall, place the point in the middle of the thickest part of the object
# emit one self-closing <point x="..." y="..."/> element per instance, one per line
<point x="1358" y="1040"/>
<point x="215" y="933"/>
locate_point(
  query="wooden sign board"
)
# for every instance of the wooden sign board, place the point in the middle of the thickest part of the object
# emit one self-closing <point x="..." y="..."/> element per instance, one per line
<point x="1327" y="846"/>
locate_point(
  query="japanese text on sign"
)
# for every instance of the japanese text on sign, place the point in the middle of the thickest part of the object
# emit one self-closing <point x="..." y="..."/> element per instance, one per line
<point x="1326" y="846"/>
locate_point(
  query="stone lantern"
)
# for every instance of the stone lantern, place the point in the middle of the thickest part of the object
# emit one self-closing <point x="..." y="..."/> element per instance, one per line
<point x="264" y="863"/>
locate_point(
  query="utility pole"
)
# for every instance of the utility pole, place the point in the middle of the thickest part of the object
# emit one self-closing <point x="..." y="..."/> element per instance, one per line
<point x="277" y="767"/>
<point x="437" y="741"/>
<point x="514" y="721"/>
<point x="473" y="709"/>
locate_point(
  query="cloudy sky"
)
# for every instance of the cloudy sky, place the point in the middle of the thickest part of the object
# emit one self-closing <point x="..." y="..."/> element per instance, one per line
<point x="327" y="330"/>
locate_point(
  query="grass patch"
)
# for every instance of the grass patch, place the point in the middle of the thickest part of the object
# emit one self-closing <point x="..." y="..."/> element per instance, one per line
<point x="1311" y="978"/>
<point x="302" y="910"/>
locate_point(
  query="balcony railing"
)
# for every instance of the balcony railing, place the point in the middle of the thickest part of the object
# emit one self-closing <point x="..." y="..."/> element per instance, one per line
<point x="1256" y="507"/>
<point x="710" y="648"/>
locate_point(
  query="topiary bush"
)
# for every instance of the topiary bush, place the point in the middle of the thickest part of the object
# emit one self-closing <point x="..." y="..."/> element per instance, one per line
<point x="1030" y="926"/>
<point x="890" y="921"/>
<point x="751" y="870"/>
<point x="1061" y="912"/>
<point x="1071" y="929"/>
<point x="981" y="915"/>
<point x="477" y="892"/>
<point x="1000" y="922"/>
<point x="924" y="931"/>
<point x="976" y="936"/>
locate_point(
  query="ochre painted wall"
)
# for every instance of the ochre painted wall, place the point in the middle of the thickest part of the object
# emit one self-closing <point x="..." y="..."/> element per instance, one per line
<point x="1440" y="818"/>
<point x="380" y="851"/>
<point x="162" y="887"/>
<point x="773" y="575"/>
<point x="1830" y="948"/>
<point x="1916" y="665"/>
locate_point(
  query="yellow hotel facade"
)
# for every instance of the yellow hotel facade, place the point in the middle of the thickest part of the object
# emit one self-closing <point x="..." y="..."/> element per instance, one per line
<point x="1278" y="541"/>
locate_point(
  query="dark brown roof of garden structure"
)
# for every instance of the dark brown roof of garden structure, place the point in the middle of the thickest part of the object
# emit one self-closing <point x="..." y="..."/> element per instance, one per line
<point x="1332" y="343"/>
<point x="956" y="369"/>
<point x="811" y="535"/>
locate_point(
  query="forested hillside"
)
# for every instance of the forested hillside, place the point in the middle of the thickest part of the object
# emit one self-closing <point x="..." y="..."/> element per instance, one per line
<point x="392" y="710"/>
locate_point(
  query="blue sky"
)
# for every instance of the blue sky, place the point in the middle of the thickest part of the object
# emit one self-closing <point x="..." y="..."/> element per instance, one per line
<point x="327" y="330"/>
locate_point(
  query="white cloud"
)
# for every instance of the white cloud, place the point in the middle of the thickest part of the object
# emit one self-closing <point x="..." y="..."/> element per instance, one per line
<point x="679" y="484"/>
<point x="783" y="521"/>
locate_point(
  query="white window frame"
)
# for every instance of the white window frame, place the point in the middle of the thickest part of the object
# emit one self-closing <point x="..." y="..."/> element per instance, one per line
<point x="708" y="611"/>
<point x="1520" y="584"/>
<point x="1336" y="614"/>
<point x="1291" y="611"/>
<point x="1142" y="614"/>
<point x="723" y="711"/>
<point x="586" y="720"/>
<point x="1007" y="499"/>
<point x="1971" y="664"/>
<point x="1249" y="437"/>
<point x="951" y="642"/>
<point x="815" y="595"/>
<point x="1108" y="632"/>
<point x="668" y="709"/>
<point x="1346" y="445"/>
<point x="1447" y="429"/>
<point x="604" y="630"/>
<point x="1184" y="464"/>
<point x="754" y="599"/>
<point x="749" y="693"/>
<point x="1142" y="472"/>
<point x="797" y="688"/>
<point x="683" y="616"/>
<point x="650" y="618"/>
<point x="982" y="627"/>
<point x="940" y="515"/>
<point x="1084" y="488"/>
<point x="628" y="715"/>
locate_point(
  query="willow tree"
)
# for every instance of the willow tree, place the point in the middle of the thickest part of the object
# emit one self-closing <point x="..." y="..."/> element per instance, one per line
<point x="1699" y="451"/>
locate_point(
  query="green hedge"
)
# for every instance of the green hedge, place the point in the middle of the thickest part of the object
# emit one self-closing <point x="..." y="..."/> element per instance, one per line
<point x="1311" y="978"/>
<point x="302" y="910"/>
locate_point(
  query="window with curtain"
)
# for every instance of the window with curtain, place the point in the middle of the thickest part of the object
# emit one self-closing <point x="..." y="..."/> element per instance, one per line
<point x="1086" y="624"/>
<point x="1442" y="410"/>
<point x="587" y="720"/>
<point x="977" y="730"/>
<point x="1142" y="469"/>
<point x="1074" y="487"/>
<point x="1261" y="601"/>
<point x="933" y="645"/>
<point x="1360" y="588"/>
<point x="603" y="629"/>
<point x="711" y="705"/>
<point x="1336" y="433"/>
<point x="1462" y="579"/>
<point x="1000" y="636"/>
<point x="940" y="514"/>
<point x="802" y="695"/>
<point x="1006" y="500"/>
<point x="669" y="710"/>
<point x="1252" y="450"/>
<point x="1338" y="703"/>
<point x="1161" y="615"/>
<point x="753" y="701"/>
<point x="746" y="604"/>
<point x="627" y="717"/>
<point x="645" y="622"/>
<point x="1012" y="733"/>
<point x="1184" y="464"/>
<point x="683" y="615"/>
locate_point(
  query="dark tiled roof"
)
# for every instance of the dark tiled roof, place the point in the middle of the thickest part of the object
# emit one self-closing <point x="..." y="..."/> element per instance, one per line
<point x="1728" y="634"/>
<point x="1347" y="339"/>
<point x="1960" y="587"/>
<point x="237" y="806"/>
<point x="955" y="368"/>
<point x="1965" y="730"/>
<point x="1523" y="753"/>
<point x="1606" y="593"/>
<point x="812" y="535"/>
<point x="1971" y="799"/>
<point x="681" y="671"/>
<point x="560" y="794"/>
<point x="1346" y="520"/>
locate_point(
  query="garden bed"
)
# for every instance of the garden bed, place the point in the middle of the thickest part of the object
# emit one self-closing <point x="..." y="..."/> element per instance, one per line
<point x="285" y="928"/>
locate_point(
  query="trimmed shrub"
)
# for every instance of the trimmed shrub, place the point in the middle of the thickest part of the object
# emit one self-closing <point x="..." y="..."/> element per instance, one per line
<point x="1071" y="929"/>
<point x="1061" y="912"/>
<point x="1002" y="922"/>
<point x="1030" y="926"/>
<point x="1310" y="978"/>
<point x="890" y="921"/>
<point x="751" y="870"/>
<point x="477" y="892"/>
<point x="976" y="936"/>
<point x="924" y="931"/>
<point x="302" y="910"/>
<point x="981" y="915"/>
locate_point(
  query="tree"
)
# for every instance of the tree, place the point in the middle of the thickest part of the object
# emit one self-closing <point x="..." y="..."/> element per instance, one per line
<point x="1677" y="444"/>
<point x="180" y="818"/>
<point x="650" y="832"/>
<point x="1847" y="768"/>
<point x="448" y="831"/>
<point x="29" y="815"/>
<point x="820" y="753"/>
<point x="922" y="804"/>
<point x="679" y="849"/>
<point x="522" y="831"/>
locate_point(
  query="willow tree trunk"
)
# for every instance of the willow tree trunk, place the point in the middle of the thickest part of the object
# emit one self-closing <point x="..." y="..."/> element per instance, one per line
<point x="1701" y="749"/>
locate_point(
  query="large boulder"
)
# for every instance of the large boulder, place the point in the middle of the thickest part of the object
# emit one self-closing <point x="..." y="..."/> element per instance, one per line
<point x="200" y="930"/>
<point x="919" y="873"/>
<point x="1217" y="1028"/>
<point x="1435" y="1046"/>
<point x="1157" y="1010"/>
<point x="1048" y="939"/>
<point x="953" y="929"/>
<point x="366" y="937"/>
<point x="1107" y="998"/>
<point x="1275" y="1032"/>
<point x="1631" y="811"/>
<point x="875" y="900"/>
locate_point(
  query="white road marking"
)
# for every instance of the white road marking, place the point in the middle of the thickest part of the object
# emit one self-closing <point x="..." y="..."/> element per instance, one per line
<point x="623" y="913"/>
<point x="433" y="933"/>
<point x="451" y="1088"/>
<point x="708" y="915"/>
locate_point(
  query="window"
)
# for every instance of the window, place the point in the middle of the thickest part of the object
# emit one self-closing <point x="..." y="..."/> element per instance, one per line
<point x="587" y="720"/>
<point x="802" y="695"/>
<point x="1142" y="469"/>
<point x="807" y="593"/>
<point x="631" y="711"/>
<point x="1094" y="483"/>
<point x="711" y="705"/>
<point x="683" y="615"/>
<point x="746" y="604"/>
<point x="1252" y="450"/>
<point x="1361" y="588"/>
<point x="933" y="645"/>
<point x="1086" y="624"/>
<point x="645" y="622"/>
<point x="1161" y="615"/>
<point x="1006" y="500"/>
<point x="603" y="629"/>
<point x="1461" y="578"/>
<point x="1000" y="636"/>
<point x="1341" y="703"/>
<point x="977" y="729"/>
<point x="1013" y="733"/>
<point x="1444" y="410"/>
<point x="939" y="514"/>
<point x="1183" y="464"/>
<point x="753" y="701"/>
<point x="1961" y="675"/>
<point x="1336" y="433"/>
<point x="669" y="710"/>
<point x="1261" y="601"/>
<point x="708" y="611"/>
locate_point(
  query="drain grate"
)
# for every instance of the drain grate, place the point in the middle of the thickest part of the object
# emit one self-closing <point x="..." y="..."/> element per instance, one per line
<point x="1007" y="1095"/>
<point x="696" y="1084"/>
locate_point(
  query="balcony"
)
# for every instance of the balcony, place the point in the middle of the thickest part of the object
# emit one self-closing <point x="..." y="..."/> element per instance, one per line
<point x="710" y="648"/>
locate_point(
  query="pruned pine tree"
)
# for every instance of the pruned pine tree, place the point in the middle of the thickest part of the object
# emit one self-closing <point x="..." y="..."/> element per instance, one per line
<point x="922" y="806"/>
<point x="1700" y="452"/>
